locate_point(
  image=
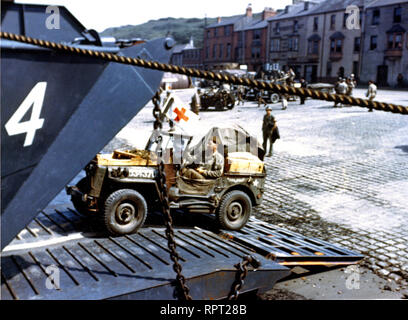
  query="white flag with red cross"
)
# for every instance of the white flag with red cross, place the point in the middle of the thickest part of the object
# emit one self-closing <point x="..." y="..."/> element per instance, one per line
<point x="181" y="115"/>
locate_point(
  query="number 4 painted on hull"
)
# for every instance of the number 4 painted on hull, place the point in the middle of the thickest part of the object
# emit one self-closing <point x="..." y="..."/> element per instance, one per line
<point x="35" y="99"/>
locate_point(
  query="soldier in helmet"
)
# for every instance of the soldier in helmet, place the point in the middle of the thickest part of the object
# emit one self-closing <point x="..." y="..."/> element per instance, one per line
<point x="196" y="101"/>
<point x="261" y="99"/>
<point x="270" y="131"/>
<point x="340" y="88"/>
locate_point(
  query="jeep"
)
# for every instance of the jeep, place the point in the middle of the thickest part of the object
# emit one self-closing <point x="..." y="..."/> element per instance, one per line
<point x="122" y="187"/>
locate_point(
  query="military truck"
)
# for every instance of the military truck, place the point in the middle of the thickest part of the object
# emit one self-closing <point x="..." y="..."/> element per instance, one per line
<point x="217" y="98"/>
<point x="122" y="187"/>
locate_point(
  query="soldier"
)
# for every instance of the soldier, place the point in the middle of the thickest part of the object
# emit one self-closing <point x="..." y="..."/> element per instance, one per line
<point x="284" y="102"/>
<point x="196" y="102"/>
<point x="261" y="99"/>
<point x="270" y="131"/>
<point x="341" y="88"/>
<point x="213" y="167"/>
<point x="303" y="84"/>
<point x="371" y="93"/>
<point x="291" y="77"/>
<point x="240" y="94"/>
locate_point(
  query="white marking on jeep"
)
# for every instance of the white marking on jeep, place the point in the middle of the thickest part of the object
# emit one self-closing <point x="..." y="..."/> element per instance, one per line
<point x="141" y="173"/>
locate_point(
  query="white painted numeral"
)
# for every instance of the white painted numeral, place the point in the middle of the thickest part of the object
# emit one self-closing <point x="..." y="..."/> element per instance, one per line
<point x="35" y="99"/>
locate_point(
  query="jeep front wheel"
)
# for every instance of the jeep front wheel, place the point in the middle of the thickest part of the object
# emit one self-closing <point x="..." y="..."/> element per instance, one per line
<point x="125" y="212"/>
<point x="234" y="210"/>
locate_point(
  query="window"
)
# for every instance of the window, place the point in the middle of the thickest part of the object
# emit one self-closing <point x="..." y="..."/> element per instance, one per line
<point x="339" y="46"/>
<point x="228" y="50"/>
<point x="227" y="30"/>
<point x="336" y="46"/>
<point x="376" y="17"/>
<point x="215" y="32"/>
<point x="313" y="47"/>
<point x="256" y="34"/>
<point x="333" y="22"/>
<point x="345" y="17"/>
<point x="214" y="55"/>
<point x="295" y="26"/>
<point x="357" y="44"/>
<point x="220" y="51"/>
<point x="293" y="44"/>
<point x="373" y="42"/>
<point x="394" y="41"/>
<point x="256" y="53"/>
<point x="208" y="33"/>
<point x="207" y="52"/>
<point x="275" y="44"/>
<point x="315" y="23"/>
<point x="397" y="14"/>
<point x="277" y="27"/>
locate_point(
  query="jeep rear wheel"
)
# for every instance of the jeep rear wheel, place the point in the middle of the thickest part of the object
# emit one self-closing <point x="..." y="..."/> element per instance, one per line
<point x="125" y="212"/>
<point x="234" y="210"/>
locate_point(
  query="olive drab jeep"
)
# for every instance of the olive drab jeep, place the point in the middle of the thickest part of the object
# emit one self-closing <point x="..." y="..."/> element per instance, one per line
<point x="122" y="187"/>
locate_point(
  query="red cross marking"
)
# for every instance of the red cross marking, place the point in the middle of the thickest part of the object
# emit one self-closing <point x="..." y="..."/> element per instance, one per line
<point x="180" y="114"/>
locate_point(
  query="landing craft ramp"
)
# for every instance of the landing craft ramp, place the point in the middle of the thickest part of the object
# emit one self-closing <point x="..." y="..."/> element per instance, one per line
<point x="94" y="266"/>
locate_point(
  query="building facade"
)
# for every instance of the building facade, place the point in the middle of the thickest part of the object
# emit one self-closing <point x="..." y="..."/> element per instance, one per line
<point x="288" y="41"/>
<point x="385" y="48"/>
<point x="238" y="40"/>
<point x="339" y="30"/>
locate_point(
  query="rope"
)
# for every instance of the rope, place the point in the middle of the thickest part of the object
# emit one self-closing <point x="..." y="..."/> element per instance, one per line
<point x="209" y="75"/>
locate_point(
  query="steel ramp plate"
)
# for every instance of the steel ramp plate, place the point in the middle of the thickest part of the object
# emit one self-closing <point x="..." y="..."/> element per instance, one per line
<point x="93" y="266"/>
<point x="290" y="248"/>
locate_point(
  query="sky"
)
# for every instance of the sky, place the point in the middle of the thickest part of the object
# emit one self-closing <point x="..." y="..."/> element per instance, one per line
<point x="103" y="14"/>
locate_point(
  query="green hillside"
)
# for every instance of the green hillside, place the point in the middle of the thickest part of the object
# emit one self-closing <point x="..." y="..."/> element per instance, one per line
<point x="180" y="29"/>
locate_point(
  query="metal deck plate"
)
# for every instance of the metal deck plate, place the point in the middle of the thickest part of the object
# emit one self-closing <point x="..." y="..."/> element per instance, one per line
<point x="290" y="248"/>
<point x="92" y="265"/>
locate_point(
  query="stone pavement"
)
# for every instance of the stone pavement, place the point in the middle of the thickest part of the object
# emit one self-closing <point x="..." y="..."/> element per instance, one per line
<point x="341" y="202"/>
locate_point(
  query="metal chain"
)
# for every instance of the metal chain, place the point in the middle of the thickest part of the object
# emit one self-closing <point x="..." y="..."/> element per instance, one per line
<point x="272" y="87"/>
<point x="183" y="290"/>
<point x="241" y="275"/>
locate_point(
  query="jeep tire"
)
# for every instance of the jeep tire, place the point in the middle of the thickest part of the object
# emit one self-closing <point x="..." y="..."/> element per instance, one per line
<point x="234" y="210"/>
<point x="125" y="212"/>
<point x="274" y="98"/>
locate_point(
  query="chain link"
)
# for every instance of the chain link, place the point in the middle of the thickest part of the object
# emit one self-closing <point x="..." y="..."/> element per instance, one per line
<point x="241" y="275"/>
<point x="182" y="290"/>
<point x="272" y="87"/>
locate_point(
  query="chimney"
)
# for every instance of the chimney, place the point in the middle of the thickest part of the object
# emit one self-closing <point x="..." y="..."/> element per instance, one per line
<point x="249" y="10"/>
<point x="219" y="20"/>
<point x="287" y="9"/>
<point x="306" y="3"/>
<point x="267" y="13"/>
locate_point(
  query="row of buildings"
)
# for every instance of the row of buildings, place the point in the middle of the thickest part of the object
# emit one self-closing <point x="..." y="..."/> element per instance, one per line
<point x="319" y="39"/>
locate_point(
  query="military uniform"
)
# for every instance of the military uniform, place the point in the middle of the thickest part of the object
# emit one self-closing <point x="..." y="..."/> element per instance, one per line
<point x="340" y="88"/>
<point x="196" y="103"/>
<point x="240" y="94"/>
<point x="371" y="93"/>
<point x="212" y="169"/>
<point x="304" y="86"/>
<point x="260" y="99"/>
<point x="270" y="132"/>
